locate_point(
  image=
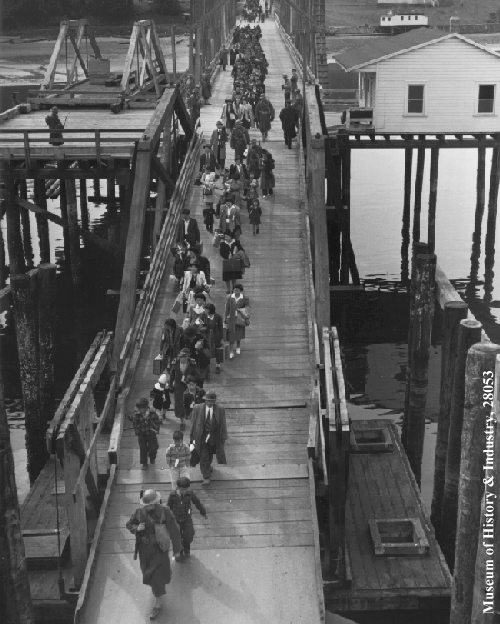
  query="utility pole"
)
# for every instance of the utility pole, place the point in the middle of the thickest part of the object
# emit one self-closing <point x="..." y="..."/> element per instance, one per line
<point x="15" y="598"/>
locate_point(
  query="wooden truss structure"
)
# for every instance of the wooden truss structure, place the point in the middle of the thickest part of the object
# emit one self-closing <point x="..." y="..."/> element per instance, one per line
<point x="145" y="69"/>
<point x="75" y="31"/>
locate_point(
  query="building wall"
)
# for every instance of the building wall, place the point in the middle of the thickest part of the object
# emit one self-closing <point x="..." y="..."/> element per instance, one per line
<point x="404" y="20"/>
<point x="451" y="71"/>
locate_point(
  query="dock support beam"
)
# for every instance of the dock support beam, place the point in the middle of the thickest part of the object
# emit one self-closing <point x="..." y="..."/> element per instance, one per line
<point x="489" y="245"/>
<point x="41" y="222"/>
<point x="15" y="596"/>
<point x="130" y="277"/>
<point x="431" y="223"/>
<point x="419" y="179"/>
<point x="477" y="412"/>
<point x="454" y="312"/>
<point x="46" y="329"/>
<point x="420" y="351"/>
<point x="405" y="228"/>
<point x="469" y="333"/>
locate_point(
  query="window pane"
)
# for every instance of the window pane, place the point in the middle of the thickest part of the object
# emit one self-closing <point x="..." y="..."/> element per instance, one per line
<point x="416" y="92"/>
<point x="486" y="92"/>
<point x="485" y="106"/>
<point x="415" y="106"/>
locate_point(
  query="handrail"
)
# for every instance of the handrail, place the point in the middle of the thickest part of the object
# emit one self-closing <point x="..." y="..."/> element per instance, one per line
<point x="129" y="354"/>
<point x="294" y="53"/>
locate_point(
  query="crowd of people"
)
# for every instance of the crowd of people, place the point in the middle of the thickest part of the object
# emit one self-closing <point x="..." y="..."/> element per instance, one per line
<point x="188" y="346"/>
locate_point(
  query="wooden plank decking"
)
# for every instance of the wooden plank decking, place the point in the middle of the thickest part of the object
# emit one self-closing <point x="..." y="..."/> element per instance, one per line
<point x="254" y="560"/>
<point x="382" y="486"/>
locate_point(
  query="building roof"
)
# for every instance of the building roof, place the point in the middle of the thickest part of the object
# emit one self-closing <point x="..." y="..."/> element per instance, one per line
<point x="386" y="47"/>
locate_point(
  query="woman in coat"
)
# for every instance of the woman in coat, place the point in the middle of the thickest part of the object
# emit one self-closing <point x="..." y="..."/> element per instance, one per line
<point x="169" y="345"/>
<point x="237" y="308"/>
<point x="230" y="218"/>
<point x="246" y="114"/>
<point x="266" y="174"/>
<point x="182" y="367"/>
<point x="155" y="564"/>
<point x="226" y="249"/>
<point x="206" y="88"/>
<point x="228" y="115"/>
<point x="264" y="114"/>
<point x="213" y="324"/>
<point x="193" y="277"/>
<point x="255" y="214"/>
<point x="194" y="340"/>
<point x="288" y="121"/>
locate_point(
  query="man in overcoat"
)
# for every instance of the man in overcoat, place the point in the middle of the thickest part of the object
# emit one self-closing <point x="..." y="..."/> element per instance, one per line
<point x="187" y="230"/>
<point x="288" y="119"/>
<point x="218" y="142"/>
<point x="208" y="158"/>
<point x="209" y="433"/>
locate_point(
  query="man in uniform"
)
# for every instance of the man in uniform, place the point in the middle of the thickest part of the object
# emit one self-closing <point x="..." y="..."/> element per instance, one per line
<point x="54" y="123"/>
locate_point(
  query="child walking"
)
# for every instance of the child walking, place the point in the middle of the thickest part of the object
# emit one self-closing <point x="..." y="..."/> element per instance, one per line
<point x="192" y="396"/>
<point x="179" y="502"/>
<point x="178" y="456"/>
<point x="255" y="214"/>
<point x="146" y="427"/>
<point x="160" y="397"/>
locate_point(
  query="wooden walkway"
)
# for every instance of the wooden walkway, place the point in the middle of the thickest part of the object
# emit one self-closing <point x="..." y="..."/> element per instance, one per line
<point x="254" y="560"/>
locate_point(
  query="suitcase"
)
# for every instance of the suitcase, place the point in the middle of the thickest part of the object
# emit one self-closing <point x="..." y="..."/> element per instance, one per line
<point x="177" y="304"/>
<point x="226" y="351"/>
<point x="231" y="265"/>
<point x="216" y="240"/>
<point x="219" y="355"/>
<point x="158" y="364"/>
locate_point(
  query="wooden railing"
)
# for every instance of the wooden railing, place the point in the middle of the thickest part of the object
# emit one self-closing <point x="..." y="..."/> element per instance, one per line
<point x="74" y="434"/>
<point x="332" y="97"/>
<point x="294" y="53"/>
<point x="337" y="440"/>
<point x="129" y="354"/>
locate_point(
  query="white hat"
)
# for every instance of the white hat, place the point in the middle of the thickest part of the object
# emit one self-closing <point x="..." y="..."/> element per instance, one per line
<point x="162" y="379"/>
<point x="150" y="497"/>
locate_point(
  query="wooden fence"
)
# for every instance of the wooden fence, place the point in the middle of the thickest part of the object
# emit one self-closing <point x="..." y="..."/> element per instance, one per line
<point x="294" y="53"/>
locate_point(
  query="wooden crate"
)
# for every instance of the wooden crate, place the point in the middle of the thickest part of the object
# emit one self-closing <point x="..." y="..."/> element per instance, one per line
<point x="398" y="536"/>
<point x="99" y="71"/>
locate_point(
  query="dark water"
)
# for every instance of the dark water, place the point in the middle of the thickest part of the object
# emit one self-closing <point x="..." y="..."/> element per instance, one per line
<point x="374" y="326"/>
<point x="6" y="94"/>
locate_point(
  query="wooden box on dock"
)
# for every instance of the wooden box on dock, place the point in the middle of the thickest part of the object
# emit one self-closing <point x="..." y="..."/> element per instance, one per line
<point x="99" y="71"/>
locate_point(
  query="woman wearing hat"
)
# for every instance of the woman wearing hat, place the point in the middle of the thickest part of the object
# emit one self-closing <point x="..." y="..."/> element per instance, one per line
<point x="55" y="124"/>
<point x="206" y="88"/>
<point x="237" y="310"/>
<point x="246" y="114"/>
<point x="169" y="345"/>
<point x="182" y="368"/>
<point x="228" y="115"/>
<point x="213" y="324"/>
<point x="194" y="340"/>
<point x="193" y="277"/>
<point x="153" y="559"/>
<point x="218" y="142"/>
<point x="264" y="112"/>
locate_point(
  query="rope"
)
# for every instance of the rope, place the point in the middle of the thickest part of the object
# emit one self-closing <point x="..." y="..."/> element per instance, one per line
<point x="60" y="580"/>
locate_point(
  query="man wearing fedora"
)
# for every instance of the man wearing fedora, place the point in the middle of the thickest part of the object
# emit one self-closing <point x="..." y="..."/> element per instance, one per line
<point x="208" y="159"/>
<point x="154" y="557"/>
<point x="209" y="433"/>
<point x="55" y="124"/>
<point x="146" y="427"/>
<point x="188" y="230"/>
<point x="218" y="142"/>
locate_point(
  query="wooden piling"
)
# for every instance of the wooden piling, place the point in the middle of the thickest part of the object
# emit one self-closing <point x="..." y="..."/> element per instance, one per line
<point x="418" y="248"/>
<point x="431" y="222"/>
<point x="346" y="218"/>
<point x="174" y="55"/>
<point x="26" y="227"/>
<point x="478" y="405"/>
<point x="24" y="297"/>
<point x="112" y="213"/>
<point x="13" y="221"/>
<point x="419" y="179"/>
<point x="405" y="228"/>
<point x="478" y="219"/>
<point x="42" y="223"/>
<point x="15" y="592"/>
<point x="161" y="194"/>
<point x="454" y="312"/>
<point x="469" y="333"/>
<point x="84" y="206"/>
<point x="489" y="244"/>
<point x="97" y="190"/>
<point x="420" y="351"/>
<point x="46" y="329"/>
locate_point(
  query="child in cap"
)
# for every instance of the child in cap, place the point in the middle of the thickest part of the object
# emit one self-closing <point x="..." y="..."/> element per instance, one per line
<point x="160" y="396"/>
<point x="193" y="396"/>
<point x="179" y="502"/>
<point x="146" y="427"/>
<point x="255" y="215"/>
<point x="178" y="456"/>
<point x="252" y="194"/>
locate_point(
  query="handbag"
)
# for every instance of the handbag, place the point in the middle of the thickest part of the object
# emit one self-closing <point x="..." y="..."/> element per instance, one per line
<point x="207" y="191"/>
<point x="246" y="260"/>
<point x="173" y="284"/>
<point x="195" y="458"/>
<point x="219" y="355"/>
<point x="158" y="365"/>
<point x="220" y="454"/>
<point x="226" y="351"/>
<point x="231" y="265"/>
<point x="216" y="240"/>
<point x="162" y="535"/>
<point x="242" y="317"/>
<point x="178" y="303"/>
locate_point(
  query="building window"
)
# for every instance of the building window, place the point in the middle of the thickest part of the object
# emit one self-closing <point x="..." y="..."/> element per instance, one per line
<point x="415" y="100"/>
<point x="416" y="17"/>
<point x="486" y="99"/>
